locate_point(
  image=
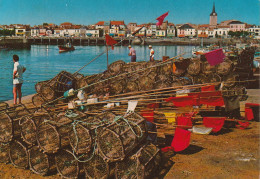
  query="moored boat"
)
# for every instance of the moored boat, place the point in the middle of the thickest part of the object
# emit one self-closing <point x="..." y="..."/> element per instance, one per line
<point x="66" y="48"/>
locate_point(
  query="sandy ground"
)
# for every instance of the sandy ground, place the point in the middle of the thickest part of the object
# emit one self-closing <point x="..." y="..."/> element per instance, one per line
<point x="233" y="153"/>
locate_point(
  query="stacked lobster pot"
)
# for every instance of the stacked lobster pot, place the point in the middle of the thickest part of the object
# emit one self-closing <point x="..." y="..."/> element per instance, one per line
<point x="54" y="88"/>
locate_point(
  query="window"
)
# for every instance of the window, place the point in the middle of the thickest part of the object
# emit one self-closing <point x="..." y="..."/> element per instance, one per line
<point x="157" y="33"/>
<point x="162" y="33"/>
<point x="191" y="33"/>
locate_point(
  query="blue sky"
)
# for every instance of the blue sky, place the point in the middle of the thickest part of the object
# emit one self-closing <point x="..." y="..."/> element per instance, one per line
<point x="35" y="12"/>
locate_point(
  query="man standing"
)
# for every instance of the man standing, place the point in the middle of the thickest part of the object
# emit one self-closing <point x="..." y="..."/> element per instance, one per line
<point x="132" y="53"/>
<point x="151" y="53"/>
<point x="17" y="79"/>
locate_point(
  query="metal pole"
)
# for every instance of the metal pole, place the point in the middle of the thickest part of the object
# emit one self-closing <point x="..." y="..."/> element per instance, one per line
<point x="107" y="58"/>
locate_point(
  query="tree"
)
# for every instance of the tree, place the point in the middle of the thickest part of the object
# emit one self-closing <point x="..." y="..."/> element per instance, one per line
<point x="45" y="24"/>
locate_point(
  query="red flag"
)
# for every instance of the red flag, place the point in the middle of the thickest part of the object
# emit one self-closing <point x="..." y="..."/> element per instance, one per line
<point x="242" y="125"/>
<point x="110" y="41"/>
<point x="181" y="140"/>
<point x="184" y="122"/>
<point x="215" y="57"/>
<point x="208" y="88"/>
<point x="249" y="114"/>
<point x="181" y="101"/>
<point x="215" y="122"/>
<point x="161" y="18"/>
<point x="148" y="115"/>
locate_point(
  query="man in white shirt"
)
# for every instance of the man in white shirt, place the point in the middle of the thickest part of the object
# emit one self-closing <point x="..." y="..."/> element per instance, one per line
<point x="17" y="79"/>
<point x="151" y="53"/>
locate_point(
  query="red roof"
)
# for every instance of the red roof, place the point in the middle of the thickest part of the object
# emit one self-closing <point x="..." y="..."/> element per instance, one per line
<point x="100" y="23"/>
<point x="66" y="23"/>
<point x="117" y="23"/>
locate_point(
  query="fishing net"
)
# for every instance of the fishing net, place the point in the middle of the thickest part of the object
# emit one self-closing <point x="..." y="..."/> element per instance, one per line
<point x="66" y="164"/>
<point x="18" y="154"/>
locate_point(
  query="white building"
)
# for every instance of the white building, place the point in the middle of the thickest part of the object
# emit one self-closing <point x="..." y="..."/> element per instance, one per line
<point x="92" y="33"/>
<point x="254" y="31"/>
<point x="221" y="31"/>
<point x="160" y="33"/>
<point x="35" y="32"/>
<point x="186" y="30"/>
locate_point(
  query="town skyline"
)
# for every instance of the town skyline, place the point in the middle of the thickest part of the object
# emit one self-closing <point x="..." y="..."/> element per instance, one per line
<point x="88" y="13"/>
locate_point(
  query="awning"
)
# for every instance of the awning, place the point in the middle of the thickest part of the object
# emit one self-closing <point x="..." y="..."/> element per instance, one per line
<point x="112" y="34"/>
<point x="181" y="35"/>
<point x="89" y="34"/>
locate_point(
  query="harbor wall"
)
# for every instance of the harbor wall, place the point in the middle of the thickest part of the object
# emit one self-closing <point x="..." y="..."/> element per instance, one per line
<point x="17" y="42"/>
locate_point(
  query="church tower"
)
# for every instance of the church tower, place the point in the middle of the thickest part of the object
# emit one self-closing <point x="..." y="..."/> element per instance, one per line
<point x="213" y="18"/>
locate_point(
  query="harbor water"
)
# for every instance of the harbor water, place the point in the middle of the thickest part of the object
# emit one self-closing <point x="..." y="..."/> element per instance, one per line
<point x="43" y="62"/>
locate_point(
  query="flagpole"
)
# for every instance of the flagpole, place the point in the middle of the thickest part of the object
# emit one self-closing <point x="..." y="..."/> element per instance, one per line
<point x="107" y="57"/>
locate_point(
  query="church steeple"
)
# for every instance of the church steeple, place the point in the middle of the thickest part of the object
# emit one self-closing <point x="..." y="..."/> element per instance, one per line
<point x="213" y="13"/>
<point x="213" y="18"/>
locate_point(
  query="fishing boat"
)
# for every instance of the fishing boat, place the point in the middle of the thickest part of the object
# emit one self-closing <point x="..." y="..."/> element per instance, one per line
<point x="66" y="48"/>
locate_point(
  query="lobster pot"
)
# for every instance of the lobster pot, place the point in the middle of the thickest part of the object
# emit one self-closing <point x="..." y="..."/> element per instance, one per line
<point x="39" y="85"/>
<point x="21" y="110"/>
<point x="64" y="82"/>
<point x="105" y="118"/>
<point x="210" y="78"/>
<point x="64" y="128"/>
<point x="207" y="68"/>
<point x="96" y="168"/>
<point x="143" y="164"/>
<point x="3" y="106"/>
<point x="150" y="69"/>
<point x="225" y="67"/>
<point x="145" y="83"/>
<point x="116" y="68"/>
<point x="9" y="127"/>
<point x="118" y="139"/>
<point x="166" y="69"/>
<point x="6" y="128"/>
<point x="18" y="154"/>
<point x="28" y="130"/>
<point x="48" y="138"/>
<point x="4" y="153"/>
<point x="161" y="85"/>
<point x="194" y="67"/>
<point x="241" y="92"/>
<point x="131" y="86"/>
<point x="47" y="92"/>
<point x="78" y="76"/>
<point x="37" y="100"/>
<point x="81" y="83"/>
<point x="66" y="164"/>
<point x="80" y="139"/>
<point x="152" y="75"/>
<point x="39" y="162"/>
<point x="185" y="81"/>
<point x="230" y="80"/>
<point x="117" y="86"/>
